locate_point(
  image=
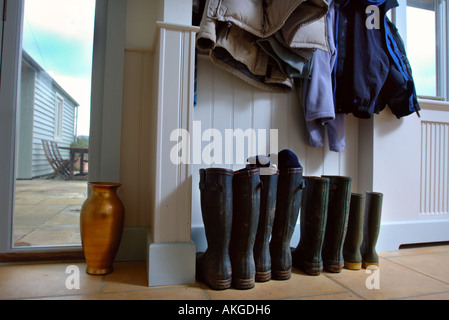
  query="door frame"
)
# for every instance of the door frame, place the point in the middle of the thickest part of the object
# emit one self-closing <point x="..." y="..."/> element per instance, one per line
<point x="106" y="109"/>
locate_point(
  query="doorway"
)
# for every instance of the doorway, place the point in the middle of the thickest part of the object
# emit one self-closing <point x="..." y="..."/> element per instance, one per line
<point x="53" y="122"/>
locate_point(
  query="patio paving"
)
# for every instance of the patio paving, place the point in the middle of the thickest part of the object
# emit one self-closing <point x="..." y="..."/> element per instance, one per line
<point x="47" y="212"/>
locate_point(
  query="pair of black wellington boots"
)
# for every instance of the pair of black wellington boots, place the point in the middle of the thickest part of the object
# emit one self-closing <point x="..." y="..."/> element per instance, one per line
<point x="249" y="221"/>
<point x="230" y="223"/>
<point x="331" y="226"/>
<point x="363" y="230"/>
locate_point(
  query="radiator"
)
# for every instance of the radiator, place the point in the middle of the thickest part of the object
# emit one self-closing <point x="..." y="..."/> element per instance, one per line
<point x="434" y="168"/>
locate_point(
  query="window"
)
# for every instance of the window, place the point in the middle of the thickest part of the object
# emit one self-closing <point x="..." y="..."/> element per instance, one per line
<point x="423" y="26"/>
<point x="59" y="113"/>
<point x="421" y="45"/>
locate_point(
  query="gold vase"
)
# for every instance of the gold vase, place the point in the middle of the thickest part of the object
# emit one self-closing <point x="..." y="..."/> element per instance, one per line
<point x="101" y="226"/>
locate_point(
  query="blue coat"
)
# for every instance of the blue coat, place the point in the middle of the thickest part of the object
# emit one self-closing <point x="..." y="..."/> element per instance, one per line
<point x="372" y="69"/>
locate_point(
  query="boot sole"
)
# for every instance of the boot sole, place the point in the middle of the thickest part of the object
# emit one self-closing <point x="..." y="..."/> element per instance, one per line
<point x="218" y="284"/>
<point x="282" y="275"/>
<point x="313" y="272"/>
<point x="334" y="267"/>
<point x="353" y="266"/>
<point x="243" y="284"/>
<point x="368" y="264"/>
<point x="263" y="276"/>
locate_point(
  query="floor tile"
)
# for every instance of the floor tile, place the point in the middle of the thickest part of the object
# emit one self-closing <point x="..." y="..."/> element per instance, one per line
<point x="193" y="292"/>
<point x="395" y="282"/>
<point x="417" y="250"/>
<point x="300" y="285"/>
<point x="432" y="265"/>
<point x="126" y="276"/>
<point x="43" y="280"/>
<point x="435" y="296"/>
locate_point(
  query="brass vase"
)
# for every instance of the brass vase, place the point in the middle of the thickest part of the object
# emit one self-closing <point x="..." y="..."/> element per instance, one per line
<point x="101" y="226"/>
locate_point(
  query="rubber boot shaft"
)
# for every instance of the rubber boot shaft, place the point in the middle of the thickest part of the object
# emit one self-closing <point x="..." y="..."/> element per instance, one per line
<point x="337" y="222"/>
<point x="262" y="255"/>
<point x="371" y="228"/>
<point x="288" y="204"/>
<point x="307" y="255"/>
<point x="353" y="240"/>
<point x="245" y="220"/>
<point x="214" y="266"/>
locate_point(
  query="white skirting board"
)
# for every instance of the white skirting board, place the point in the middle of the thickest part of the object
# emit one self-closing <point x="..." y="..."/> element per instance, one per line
<point x="170" y="263"/>
<point x="394" y="234"/>
<point x="166" y="263"/>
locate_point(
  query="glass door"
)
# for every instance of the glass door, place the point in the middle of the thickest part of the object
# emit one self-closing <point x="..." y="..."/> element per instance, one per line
<point x="52" y="162"/>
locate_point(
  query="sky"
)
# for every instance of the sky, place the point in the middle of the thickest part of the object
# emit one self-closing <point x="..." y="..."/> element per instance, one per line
<point x="421" y="49"/>
<point x="58" y="34"/>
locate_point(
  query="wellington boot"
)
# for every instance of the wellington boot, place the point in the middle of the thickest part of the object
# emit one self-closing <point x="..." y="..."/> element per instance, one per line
<point x="307" y="255"/>
<point x="371" y="228"/>
<point x="214" y="266"/>
<point x="337" y="222"/>
<point x="353" y="240"/>
<point x="288" y="203"/>
<point x="245" y="219"/>
<point x="262" y="255"/>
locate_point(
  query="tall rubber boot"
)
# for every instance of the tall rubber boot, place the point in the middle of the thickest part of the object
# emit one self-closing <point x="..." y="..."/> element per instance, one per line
<point x="307" y="255"/>
<point x="262" y="257"/>
<point x="288" y="203"/>
<point x="245" y="219"/>
<point x="214" y="266"/>
<point x="337" y="222"/>
<point x="371" y="228"/>
<point x="353" y="240"/>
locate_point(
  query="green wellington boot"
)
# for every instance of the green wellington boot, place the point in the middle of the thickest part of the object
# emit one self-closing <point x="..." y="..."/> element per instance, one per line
<point x="307" y="255"/>
<point x="288" y="203"/>
<point x="371" y="228"/>
<point x="353" y="240"/>
<point x="214" y="266"/>
<point x="337" y="222"/>
<point x="246" y="187"/>
<point x="262" y="257"/>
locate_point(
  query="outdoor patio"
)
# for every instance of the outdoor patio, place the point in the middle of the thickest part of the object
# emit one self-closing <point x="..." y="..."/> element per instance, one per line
<point x="47" y="212"/>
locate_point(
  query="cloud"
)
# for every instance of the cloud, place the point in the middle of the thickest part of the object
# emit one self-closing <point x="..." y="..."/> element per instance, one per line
<point x="58" y="35"/>
<point x="421" y="49"/>
<point x="69" y="18"/>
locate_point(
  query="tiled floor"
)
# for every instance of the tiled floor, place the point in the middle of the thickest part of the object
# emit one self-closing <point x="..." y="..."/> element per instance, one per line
<point x="47" y="212"/>
<point x="418" y="273"/>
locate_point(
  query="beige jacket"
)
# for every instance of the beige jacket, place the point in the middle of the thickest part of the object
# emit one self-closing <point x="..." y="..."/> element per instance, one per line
<point x="229" y="30"/>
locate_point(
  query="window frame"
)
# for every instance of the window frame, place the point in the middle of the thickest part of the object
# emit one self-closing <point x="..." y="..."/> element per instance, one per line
<point x="59" y="117"/>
